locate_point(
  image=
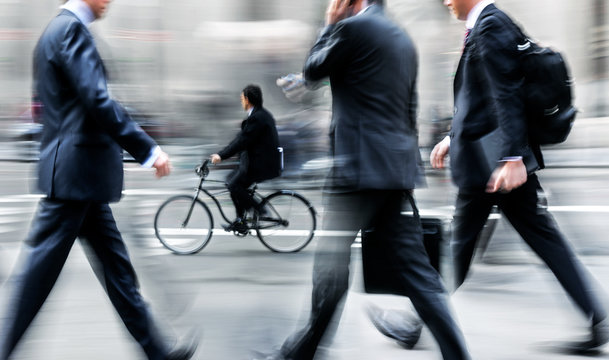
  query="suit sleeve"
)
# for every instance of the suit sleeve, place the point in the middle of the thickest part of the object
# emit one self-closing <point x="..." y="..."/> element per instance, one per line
<point x="83" y="67"/>
<point x="251" y="131"/>
<point x="413" y="102"/>
<point x="500" y="65"/>
<point x="328" y="53"/>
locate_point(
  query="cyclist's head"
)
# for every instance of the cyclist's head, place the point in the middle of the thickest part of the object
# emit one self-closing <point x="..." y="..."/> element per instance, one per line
<point x="253" y="94"/>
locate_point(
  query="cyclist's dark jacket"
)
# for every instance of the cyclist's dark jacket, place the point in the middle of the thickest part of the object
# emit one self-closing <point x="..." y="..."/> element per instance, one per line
<point x="257" y="142"/>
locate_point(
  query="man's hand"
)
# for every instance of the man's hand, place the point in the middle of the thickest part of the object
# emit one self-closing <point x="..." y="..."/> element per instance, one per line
<point x="337" y="10"/>
<point x="215" y="159"/>
<point x="439" y="152"/>
<point x="162" y="165"/>
<point x="507" y="177"/>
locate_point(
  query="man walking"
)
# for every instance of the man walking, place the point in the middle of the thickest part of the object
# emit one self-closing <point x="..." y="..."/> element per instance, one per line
<point x="489" y="105"/>
<point x="372" y="66"/>
<point x="80" y="172"/>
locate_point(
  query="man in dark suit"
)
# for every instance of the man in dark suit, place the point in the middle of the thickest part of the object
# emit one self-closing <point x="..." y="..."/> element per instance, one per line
<point x="489" y="123"/>
<point x="258" y="145"/>
<point x="372" y="66"/>
<point x="80" y="172"/>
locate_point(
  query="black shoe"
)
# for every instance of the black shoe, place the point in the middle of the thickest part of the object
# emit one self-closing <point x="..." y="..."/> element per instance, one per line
<point x="404" y="329"/>
<point x="599" y="336"/>
<point x="237" y="226"/>
<point x="186" y="350"/>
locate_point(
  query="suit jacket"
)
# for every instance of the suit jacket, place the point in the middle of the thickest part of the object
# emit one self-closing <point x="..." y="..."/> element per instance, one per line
<point x="489" y="120"/>
<point x="372" y="65"/>
<point x="257" y="142"/>
<point x="84" y="129"/>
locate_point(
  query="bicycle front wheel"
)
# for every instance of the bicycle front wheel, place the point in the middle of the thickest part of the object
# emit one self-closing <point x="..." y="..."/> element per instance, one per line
<point x="289" y="224"/>
<point x="183" y="225"/>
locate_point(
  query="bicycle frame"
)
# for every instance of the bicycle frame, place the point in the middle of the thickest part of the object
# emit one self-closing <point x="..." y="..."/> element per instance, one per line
<point x="278" y="221"/>
<point x="215" y="200"/>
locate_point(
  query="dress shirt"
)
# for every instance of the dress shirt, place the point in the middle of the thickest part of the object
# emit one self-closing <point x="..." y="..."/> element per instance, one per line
<point x="82" y="11"/>
<point x="475" y="12"/>
<point x="363" y="10"/>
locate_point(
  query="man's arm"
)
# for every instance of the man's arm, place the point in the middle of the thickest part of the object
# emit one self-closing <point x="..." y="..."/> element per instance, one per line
<point x="249" y="134"/>
<point x="500" y="65"/>
<point x="83" y="67"/>
<point x="331" y="48"/>
<point x="159" y="160"/>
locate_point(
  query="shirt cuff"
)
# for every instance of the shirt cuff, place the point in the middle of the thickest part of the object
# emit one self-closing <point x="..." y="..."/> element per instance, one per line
<point x="154" y="154"/>
<point x="511" y="158"/>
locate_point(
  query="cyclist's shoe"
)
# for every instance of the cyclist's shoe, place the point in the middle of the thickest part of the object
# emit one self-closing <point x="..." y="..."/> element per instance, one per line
<point x="238" y="225"/>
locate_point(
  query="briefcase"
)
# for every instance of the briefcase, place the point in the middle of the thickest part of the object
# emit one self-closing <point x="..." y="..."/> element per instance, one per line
<point x="379" y="269"/>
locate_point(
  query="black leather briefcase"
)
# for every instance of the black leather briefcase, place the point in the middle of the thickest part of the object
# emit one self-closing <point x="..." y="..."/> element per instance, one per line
<point x="379" y="275"/>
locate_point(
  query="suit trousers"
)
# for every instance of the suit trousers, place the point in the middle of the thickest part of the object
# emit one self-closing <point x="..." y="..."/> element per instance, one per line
<point x="238" y="184"/>
<point x="346" y="214"/>
<point x="55" y="227"/>
<point x="538" y="229"/>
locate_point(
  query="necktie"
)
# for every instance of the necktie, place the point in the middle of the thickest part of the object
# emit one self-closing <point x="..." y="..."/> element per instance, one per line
<point x="467" y="32"/>
<point x="465" y="38"/>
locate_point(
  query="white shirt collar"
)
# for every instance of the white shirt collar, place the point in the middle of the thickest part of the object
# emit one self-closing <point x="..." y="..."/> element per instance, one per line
<point x="475" y="12"/>
<point x="82" y="11"/>
<point x="364" y="9"/>
<point x="249" y="112"/>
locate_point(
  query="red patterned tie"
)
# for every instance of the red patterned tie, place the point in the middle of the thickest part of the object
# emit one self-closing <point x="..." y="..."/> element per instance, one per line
<point x="467" y="31"/>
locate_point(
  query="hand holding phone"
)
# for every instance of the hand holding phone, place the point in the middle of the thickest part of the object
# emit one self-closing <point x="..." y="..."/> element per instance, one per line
<point x="338" y="10"/>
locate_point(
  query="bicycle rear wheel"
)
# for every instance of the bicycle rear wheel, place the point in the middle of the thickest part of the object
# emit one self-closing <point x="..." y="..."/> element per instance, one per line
<point x="290" y="223"/>
<point x="182" y="225"/>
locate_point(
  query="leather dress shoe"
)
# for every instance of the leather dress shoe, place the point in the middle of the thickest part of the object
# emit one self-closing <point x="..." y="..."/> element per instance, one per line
<point x="599" y="336"/>
<point x="238" y="226"/>
<point x="404" y="329"/>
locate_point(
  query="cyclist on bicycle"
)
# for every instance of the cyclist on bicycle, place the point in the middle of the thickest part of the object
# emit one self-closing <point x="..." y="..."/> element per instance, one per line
<point x="258" y="146"/>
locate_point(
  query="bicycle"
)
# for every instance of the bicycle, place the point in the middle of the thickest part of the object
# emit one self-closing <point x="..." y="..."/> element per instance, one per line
<point x="184" y="223"/>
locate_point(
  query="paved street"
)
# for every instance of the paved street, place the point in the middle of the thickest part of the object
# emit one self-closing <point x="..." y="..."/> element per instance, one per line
<point x="244" y="298"/>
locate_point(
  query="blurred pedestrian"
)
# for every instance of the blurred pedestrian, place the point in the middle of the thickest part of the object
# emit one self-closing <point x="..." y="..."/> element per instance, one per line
<point x="489" y="123"/>
<point x="260" y="159"/>
<point x="80" y="171"/>
<point x="372" y="66"/>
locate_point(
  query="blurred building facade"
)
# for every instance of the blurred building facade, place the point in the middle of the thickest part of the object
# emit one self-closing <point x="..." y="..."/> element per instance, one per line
<point x="185" y="61"/>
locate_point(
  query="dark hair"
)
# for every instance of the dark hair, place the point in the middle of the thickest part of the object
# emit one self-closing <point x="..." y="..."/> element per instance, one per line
<point x="253" y="93"/>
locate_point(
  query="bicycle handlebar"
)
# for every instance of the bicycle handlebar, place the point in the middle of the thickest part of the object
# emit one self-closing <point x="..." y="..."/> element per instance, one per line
<point x="203" y="169"/>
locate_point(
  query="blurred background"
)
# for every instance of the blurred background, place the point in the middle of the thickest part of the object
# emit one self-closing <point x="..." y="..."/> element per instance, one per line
<point x="179" y="66"/>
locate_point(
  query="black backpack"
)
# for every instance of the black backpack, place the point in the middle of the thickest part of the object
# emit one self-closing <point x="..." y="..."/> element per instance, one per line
<point x="548" y="97"/>
<point x="547" y="90"/>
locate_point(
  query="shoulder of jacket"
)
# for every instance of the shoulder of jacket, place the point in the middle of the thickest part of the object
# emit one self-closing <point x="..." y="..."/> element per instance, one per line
<point x="65" y="25"/>
<point x="68" y="19"/>
<point x="498" y="20"/>
<point x="260" y="111"/>
<point x="498" y="30"/>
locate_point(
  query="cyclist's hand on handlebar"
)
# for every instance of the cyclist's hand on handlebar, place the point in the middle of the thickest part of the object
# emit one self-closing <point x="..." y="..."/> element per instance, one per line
<point x="162" y="165"/>
<point x="215" y="159"/>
